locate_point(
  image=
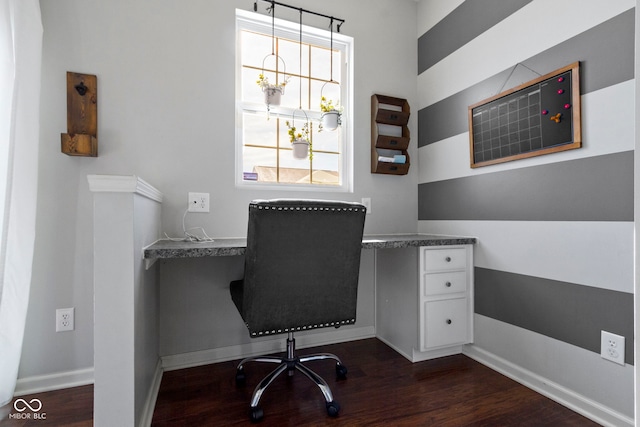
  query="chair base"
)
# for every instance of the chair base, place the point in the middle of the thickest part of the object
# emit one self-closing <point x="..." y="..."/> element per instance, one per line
<point x="291" y="363"/>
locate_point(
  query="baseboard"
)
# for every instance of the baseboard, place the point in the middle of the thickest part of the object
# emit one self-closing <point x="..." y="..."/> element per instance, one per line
<point x="152" y="396"/>
<point x="572" y="400"/>
<point x="62" y="380"/>
<point x="421" y="356"/>
<point x="57" y="381"/>
<point x="223" y="354"/>
<point x="397" y="349"/>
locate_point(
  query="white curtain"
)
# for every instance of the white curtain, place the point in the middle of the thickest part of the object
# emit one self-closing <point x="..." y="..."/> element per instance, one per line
<point x="20" y="59"/>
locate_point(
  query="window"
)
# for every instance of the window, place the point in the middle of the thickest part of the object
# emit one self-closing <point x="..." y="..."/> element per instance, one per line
<point x="264" y="157"/>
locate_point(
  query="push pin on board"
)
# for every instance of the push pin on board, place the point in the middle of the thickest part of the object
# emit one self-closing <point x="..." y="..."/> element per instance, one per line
<point x="556" y="118"/>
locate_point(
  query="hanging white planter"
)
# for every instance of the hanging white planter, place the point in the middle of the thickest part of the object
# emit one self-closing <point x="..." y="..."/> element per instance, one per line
<point x="300" y="142"/>
<point x="272" y="95"/>
<point x="331" y="116"/>
<point x="330" y="120"/>
<point x="300" y="148"/>
<point x="273" y="92"/>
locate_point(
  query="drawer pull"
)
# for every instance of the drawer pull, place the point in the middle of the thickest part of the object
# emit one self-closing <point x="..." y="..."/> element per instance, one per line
<point x="448" y="284"/>
<point x="448" y="321"/>
<point x="448" y="259"/>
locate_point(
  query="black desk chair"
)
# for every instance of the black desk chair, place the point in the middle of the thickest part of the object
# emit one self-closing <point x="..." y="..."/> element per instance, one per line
<point x="301" y="272"/>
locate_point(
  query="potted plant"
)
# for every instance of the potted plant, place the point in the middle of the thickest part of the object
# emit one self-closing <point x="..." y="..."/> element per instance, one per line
<point x="300" y="140"/>
<point x="272" y="92"/>
<point x="331" y="114"/>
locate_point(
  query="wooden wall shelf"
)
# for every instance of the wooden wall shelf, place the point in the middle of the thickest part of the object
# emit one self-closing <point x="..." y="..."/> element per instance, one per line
<point x="81" y="138"/>
<point x="389" y="134"/>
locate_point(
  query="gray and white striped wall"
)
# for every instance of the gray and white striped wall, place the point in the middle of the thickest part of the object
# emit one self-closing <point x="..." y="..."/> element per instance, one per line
<point x="554" y="262"/>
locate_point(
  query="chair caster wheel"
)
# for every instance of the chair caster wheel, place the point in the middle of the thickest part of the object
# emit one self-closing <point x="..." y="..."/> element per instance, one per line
<point x="256" y="414"/>
<point x="333" y="408"/>
<point x="240" y="377"/>
<point x="341" y="371"/>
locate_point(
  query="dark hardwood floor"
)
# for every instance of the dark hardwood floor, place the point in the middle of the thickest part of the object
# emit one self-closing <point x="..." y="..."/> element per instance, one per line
<point x="69" y="407"/>
<point x="382" y="388"/>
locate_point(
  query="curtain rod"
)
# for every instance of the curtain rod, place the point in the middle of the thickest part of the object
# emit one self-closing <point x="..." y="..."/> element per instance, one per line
<point x="273" y="2"/>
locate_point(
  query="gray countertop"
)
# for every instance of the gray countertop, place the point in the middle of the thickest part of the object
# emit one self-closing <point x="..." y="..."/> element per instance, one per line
<point x="236" y="246"/>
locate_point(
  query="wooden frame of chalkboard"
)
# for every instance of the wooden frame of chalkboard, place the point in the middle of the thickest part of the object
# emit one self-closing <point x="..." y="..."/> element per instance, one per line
<point x="539" y="117"/>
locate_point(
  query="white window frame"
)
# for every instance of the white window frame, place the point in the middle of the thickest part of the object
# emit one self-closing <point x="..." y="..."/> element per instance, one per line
<point x="261" y="23"/>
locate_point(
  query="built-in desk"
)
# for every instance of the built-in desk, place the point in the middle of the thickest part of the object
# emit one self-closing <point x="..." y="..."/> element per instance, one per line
<point x="164" y="249"/>
<point x="423" y="287"/>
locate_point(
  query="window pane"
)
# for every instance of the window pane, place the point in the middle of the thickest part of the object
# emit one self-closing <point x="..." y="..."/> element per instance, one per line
<point x="274" y="62"/>
<point x="254" y="48"/>
<point x="257" y="130"/>
<point x="316" y="87"/>
<point x="293" y="170"/>
<point x="260" y="161"/>
<point x="251" y="92"/>
<point x="289" y="50"/>
<point x="337" y="65"/>
<point x="325" y="168"/>
<point x="321" y="63"/>
<point x="326" y="140"/>
<point x="326" y="161"/>
<point x="291" y="97"/>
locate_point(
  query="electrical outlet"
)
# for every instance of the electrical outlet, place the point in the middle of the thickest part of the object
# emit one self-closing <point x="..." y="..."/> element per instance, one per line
<point x="366" y="201"/>
<point x="198" y="202"/>
<point x="65" y="319"/>
<point x="612" y="347"/>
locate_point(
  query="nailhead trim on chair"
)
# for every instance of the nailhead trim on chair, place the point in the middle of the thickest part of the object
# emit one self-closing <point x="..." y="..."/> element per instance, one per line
<point x="315" y="208"/>
<point x="303" y="328"/>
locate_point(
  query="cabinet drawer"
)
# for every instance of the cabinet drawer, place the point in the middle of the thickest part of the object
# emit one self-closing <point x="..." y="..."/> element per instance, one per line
<point x="446" y="323"/>
<point x="444" y="259"/>
<point x="449" y="282"/>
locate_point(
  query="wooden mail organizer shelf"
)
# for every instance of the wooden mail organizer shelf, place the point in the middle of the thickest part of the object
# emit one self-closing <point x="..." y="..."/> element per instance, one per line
<point x="389" y="135"/>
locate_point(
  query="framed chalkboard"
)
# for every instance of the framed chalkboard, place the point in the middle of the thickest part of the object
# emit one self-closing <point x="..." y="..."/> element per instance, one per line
<point x="539" y="117"/>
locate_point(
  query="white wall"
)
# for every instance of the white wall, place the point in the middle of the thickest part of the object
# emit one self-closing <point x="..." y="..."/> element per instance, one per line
<point x="165" y="73"/>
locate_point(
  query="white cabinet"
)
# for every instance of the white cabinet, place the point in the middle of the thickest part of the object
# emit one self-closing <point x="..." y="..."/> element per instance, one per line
<point x="424" y="300"/>
<point x="446" y="303"/>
